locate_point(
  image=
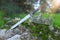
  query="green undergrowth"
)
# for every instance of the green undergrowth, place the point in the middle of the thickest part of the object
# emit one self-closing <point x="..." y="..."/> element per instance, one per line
<point x="34" y="27"/>
<point x="55" y="18"/>
<point x="2" y="18"/>
<point x="12" y="16"/>
<point x="19" y="15"/>
<point x="39" y="30"/>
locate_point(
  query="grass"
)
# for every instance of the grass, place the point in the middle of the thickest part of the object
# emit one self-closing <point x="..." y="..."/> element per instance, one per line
<point x="56" y="18"/>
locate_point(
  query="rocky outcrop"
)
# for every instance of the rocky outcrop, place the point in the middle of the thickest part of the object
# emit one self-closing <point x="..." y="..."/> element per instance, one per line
<point x="19" y="33"/>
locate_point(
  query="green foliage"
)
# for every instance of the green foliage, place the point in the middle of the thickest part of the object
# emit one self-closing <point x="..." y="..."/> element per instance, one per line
<point x="56" y="20"/>
<point x="39" y="30"/>
<point x="45" y="15"/>
<point x="1" y="18"/>
<point x="34" y="27"/>
<point x="20" y="15"/>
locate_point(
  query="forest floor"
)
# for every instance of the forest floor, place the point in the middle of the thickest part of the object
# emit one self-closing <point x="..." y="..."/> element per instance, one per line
<point x="35" y="29"/>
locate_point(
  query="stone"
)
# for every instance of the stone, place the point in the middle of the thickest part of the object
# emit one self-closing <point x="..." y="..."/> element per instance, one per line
<point x="15" y="37"/>
<point x="25" y="36"/>
<point x="51" y="28"/>
<point x="2" y="38"/>
<point x="50" y="38"/>
<point x="17" y="18"/>
<point x="7" y="18"/>
<point x="2" y="32"/>
<point x="9" y="34"/>
<point x="57" y="32"/>
<point x="17" y="31"/>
